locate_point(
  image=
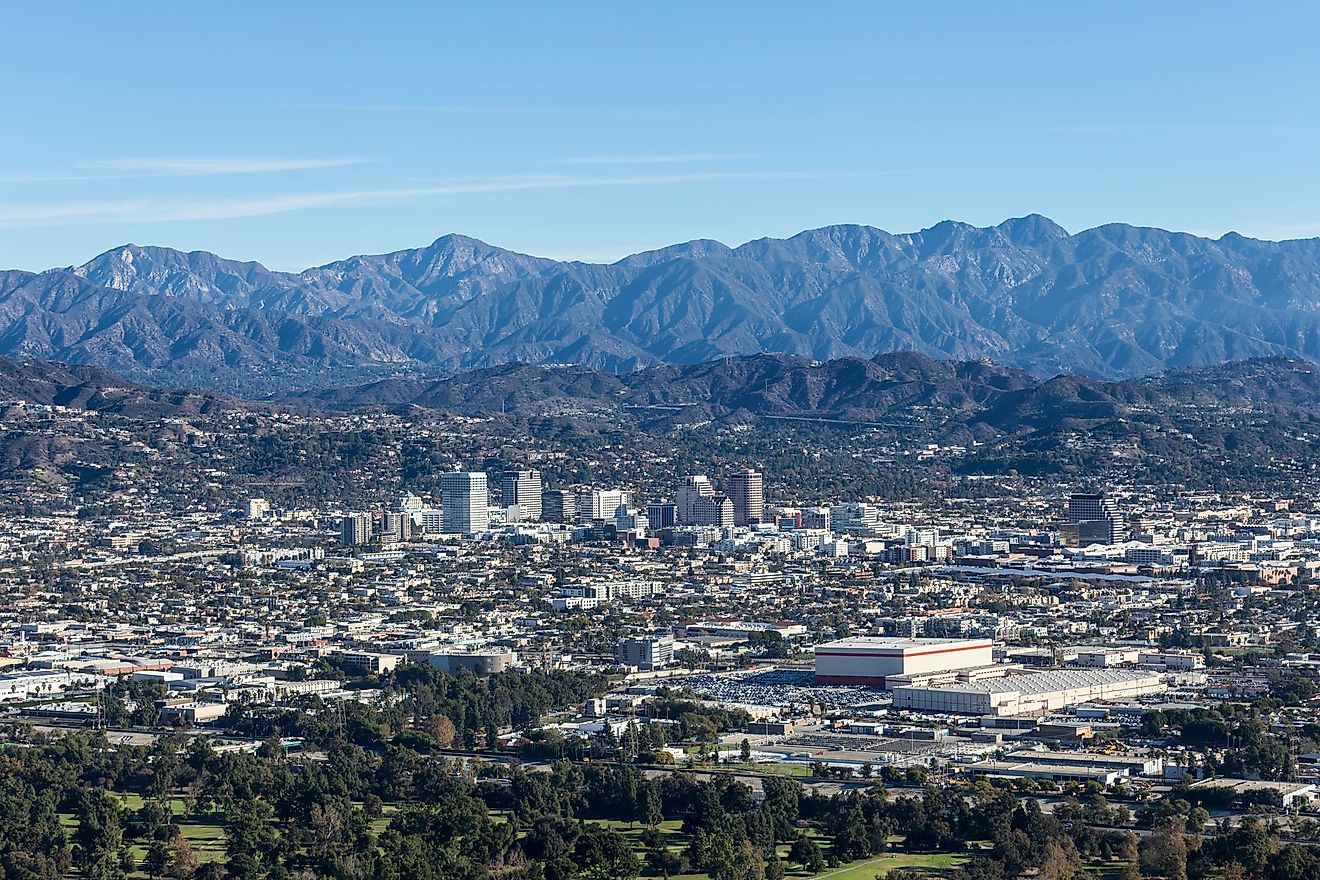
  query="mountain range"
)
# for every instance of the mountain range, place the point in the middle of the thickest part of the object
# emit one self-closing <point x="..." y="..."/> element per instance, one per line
<point x="1112" y="302"/>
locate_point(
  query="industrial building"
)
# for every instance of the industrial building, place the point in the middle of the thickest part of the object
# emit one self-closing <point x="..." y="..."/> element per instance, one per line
<point x="476" y="662"/>
<point x="871" y="660"/>
<point x="1027" y="693"/>
<point x="1288" y="794"/>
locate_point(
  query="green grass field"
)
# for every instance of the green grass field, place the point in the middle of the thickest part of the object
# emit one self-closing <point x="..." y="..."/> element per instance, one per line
<point x="878" y="867"/>
<point x="866" y="869"/>
<point x="773" y="768"/>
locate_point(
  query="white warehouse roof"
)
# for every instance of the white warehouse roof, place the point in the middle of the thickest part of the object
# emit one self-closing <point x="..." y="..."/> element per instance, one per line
<point x="1048" y="681"/>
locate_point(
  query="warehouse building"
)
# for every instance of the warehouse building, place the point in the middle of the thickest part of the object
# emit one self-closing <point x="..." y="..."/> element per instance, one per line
<point x="476" y="662"/>
<point x="871" y="660"/>
<point x="1045" y="769"/>
<point x="1028" y="693"/>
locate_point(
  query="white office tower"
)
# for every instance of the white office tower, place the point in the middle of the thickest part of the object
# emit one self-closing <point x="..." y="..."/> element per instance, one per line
<point x="257" y="508"/>
<point x="689" y="491"/>
<point x="464" y="500"/>
<point x="597" y="504"/>
<point x="855" y="518"/>
<point x="522" y="488"/>
<point x="747" y="491"/>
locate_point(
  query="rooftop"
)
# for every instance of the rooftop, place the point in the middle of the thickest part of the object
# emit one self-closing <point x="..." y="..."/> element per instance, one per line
<point x="1028" y="683"/>
<point x="885" y="643"/>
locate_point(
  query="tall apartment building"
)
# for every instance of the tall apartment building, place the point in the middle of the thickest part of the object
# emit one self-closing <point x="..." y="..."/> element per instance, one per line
<point x="465" y="501"/>
<point x="747" y="491"/>
<point x="355" y="529"/>
<point x="522" y="488"/>
<point x="558" y="506"/>
<point x="690" y="490"/>
<point x="257" y="508"/>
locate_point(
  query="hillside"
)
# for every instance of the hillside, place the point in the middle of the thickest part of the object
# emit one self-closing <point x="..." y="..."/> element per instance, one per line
<point x="78" y="386"/>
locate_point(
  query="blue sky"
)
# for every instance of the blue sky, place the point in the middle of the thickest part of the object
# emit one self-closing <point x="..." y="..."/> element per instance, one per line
<point x="298" y="133"/>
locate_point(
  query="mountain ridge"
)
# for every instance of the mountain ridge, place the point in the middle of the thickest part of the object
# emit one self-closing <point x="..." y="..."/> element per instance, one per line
<point x="1114" y="301"/>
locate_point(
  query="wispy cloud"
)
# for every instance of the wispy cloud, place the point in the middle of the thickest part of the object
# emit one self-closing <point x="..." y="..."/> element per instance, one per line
<point x="198" y="165"/>
<point x="660" y="159"/>
<point x="458" y="109"/>
<point x="131" y="168"/>
<point x="176" y="210"/>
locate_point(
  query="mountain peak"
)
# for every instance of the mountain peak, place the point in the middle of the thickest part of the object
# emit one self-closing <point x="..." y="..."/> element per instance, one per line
<point x="1033" y="229"/>
<point x="458" y="239"/>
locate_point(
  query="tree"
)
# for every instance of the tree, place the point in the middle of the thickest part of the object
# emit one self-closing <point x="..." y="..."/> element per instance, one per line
<point x="1294" y="863"/>
<point x="1233" y="871"/>
<point x="441" y="729"/>
<point x="652" y="808"/>
<point x="1059" y="860"/>
<point x="1164" y="853"/>
<point x="745" y="751"/>
<point x="182" y="861"/>
<point x="807" y="853"/>
<point x="605" y="854"/>
<point x="251" y="842"/>
<point x="99" y="840"/>
<point x="748" y="861"/>
<point x="157" y="860"/>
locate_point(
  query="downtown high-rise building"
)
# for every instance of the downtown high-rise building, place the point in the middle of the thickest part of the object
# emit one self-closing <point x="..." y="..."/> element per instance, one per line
<point x="1096" y="518"/>
<point x="522" y="488"/>
<point x="411" y="506"/>
<point x="600" y="504"/>
<point x="692" y="489"/>
<point x="558" y="506"/>
<point x="395" y="526"/>
<point x="661" y="515"/>
<point x="747" y="491"/>
<point x="465" y="499"/>
<point x="713" y="510"/>
<point x="355" y="529"/>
